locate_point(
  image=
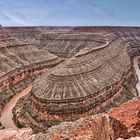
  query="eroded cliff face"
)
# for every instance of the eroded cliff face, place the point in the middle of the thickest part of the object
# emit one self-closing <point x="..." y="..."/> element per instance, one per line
<point x="129" y="114"/>
<point x="113" y="80"/>
<point x="20" y="62"/>
<point x="11" y="134"/>
<point x="119" y="123"/>
<point x="99" y="127"/>
<point x="89" y="83"/>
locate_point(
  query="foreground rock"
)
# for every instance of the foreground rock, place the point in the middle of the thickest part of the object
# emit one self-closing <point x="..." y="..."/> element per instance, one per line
<point x="95" y="127"/>
<point x="99" y="127"/>
<point x="129" y="114"/>
<point x="21" y="134"/>
<point x="133" y="138"/>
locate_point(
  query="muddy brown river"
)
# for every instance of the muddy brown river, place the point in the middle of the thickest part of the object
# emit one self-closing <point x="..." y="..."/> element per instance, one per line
<point x="6" y="115"/>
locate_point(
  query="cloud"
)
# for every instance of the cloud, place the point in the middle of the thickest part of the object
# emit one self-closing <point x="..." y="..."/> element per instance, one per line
<point x="16" y="18"/>
<point x="67" y="12"/>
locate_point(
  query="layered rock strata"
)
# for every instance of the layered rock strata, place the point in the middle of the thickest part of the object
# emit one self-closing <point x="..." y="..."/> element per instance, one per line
<point x="19" y="62"/>
<point x="22" y="60"/>
<point x="62" y="43"/>
<point x="8" y="93"/>
<point x="96" y="76"/>
<point x="92" y="81"/>
<point x="120" y="123"/>
<point x="129" y="115"/>
<point x="99" y="127"/>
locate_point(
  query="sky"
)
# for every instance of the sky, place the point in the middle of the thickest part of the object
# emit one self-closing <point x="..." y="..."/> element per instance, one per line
<point x="70" y="12"/>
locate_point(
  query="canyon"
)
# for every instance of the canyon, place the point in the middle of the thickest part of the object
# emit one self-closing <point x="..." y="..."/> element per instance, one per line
<point x="70" y="82"/>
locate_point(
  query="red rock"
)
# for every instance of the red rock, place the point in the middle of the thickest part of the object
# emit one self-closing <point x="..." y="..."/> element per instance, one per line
<point x="128" y="114"/>
<point x="20" y="134"/>
<point x="99" y="127"/>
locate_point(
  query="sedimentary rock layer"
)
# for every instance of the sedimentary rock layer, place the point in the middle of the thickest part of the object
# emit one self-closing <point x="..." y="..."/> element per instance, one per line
<point x="100" y="127"/>
<point x="19" y="61"/>
<point x="96" y="75"/>
<point x="121" y="123"/>
<point x="90" y="82"/>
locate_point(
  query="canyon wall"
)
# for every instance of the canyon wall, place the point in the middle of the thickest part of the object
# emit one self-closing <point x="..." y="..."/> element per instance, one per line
<point x="19" y="63"/>
<point x="97" y="75"/>
<point x="93" y="81"/>
<point x="120" y="123"/>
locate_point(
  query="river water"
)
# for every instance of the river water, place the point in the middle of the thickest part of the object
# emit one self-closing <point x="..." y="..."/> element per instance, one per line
<point x="6" y="115"/>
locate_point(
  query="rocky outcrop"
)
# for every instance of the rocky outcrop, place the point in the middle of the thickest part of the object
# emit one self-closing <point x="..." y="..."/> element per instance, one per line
<point x="19" y="63"/>
<point x="88" y="83"/>
<point x="99" y="127"/>
<point x="20" y="134"/>
<point x="96" y="76"/>
<point x="122" y="122"/>
<point x="129" y="114"/>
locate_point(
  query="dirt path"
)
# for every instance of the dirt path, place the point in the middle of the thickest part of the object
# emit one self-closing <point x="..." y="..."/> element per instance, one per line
<point x="6" y="115"/>
<point x="137" y="72"/>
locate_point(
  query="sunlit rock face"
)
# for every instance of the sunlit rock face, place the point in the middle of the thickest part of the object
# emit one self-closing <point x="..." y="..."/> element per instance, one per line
<point x="10" y="134"/>
<point x="83" y="85"/>
<point x="95" y="78"/>
<point x="84" y="128"/>
<point x="19" y="62"/>
<point x="95" y="127"/>
<point x="129" y="114"/>
<point x="98" y="127"/>
<point x="89" y="70"/>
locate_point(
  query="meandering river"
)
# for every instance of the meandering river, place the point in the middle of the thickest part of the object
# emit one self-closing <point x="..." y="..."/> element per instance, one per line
<point x="6" y="115"/>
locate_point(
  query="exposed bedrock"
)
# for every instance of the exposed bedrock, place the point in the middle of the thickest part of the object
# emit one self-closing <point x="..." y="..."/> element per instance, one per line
<point x="98" y="127"/>
<point x="20" y="134"/>
<point x="119" y="123"/>
<point x="88" y="83"/>
<point x="96" y="76"/>
<point x="128" y="114"/>
<point x="19" y="63"/>
<point x="62" y="43"/>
